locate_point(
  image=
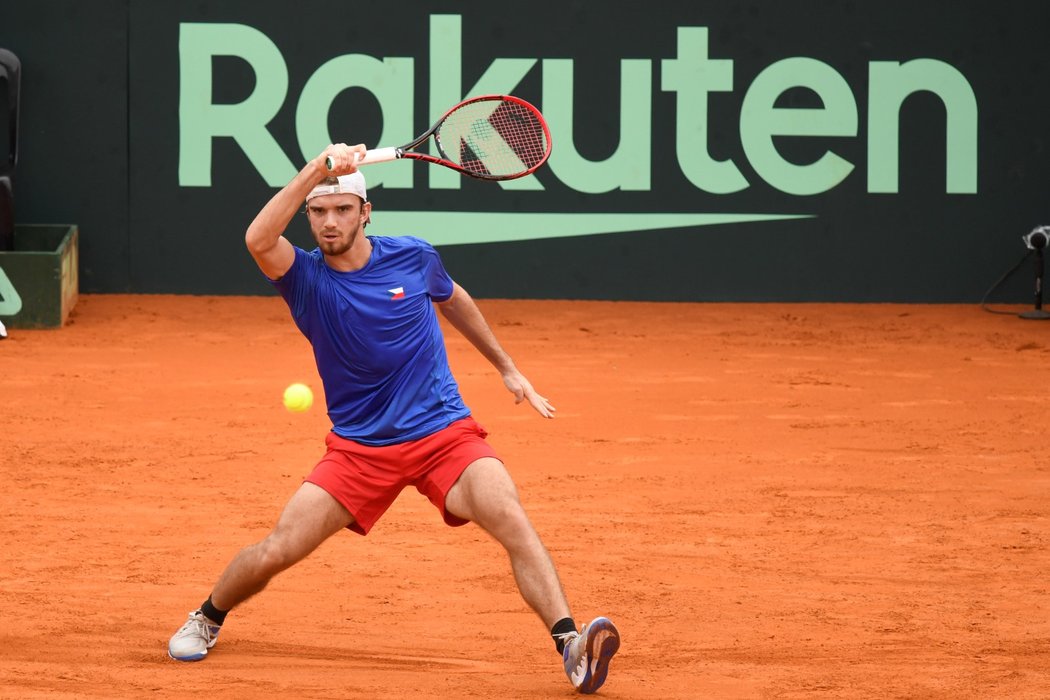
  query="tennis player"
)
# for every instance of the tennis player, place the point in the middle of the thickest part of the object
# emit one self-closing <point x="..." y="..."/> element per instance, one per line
<point x="366" y="304"/>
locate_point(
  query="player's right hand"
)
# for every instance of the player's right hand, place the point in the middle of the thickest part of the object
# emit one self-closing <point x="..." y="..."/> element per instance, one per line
<point x="343" y="158"/>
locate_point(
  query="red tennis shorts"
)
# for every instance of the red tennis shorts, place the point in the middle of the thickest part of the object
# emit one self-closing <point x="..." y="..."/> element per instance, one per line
<point x="366" y="480"/>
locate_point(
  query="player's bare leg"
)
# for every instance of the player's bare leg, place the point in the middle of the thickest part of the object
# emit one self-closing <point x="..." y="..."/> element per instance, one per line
<point x="310" y="517"/>
<point x="485" y="495"/>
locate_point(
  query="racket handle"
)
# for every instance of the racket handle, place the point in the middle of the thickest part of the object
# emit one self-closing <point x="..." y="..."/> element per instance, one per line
<point x="376" y="155"/>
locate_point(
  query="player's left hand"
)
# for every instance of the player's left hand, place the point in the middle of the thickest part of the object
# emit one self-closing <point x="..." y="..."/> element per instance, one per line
<point x="522" y="390"/>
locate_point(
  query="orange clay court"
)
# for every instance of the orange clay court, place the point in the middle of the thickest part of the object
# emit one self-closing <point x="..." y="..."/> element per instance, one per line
<point x="771" y="501"/>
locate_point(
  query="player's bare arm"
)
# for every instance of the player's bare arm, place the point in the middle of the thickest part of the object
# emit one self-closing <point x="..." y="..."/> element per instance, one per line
<point x="465" y="316"/>
<point x="273" y="253"/>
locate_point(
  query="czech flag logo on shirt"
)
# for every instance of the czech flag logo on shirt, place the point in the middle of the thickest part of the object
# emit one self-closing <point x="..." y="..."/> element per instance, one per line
<point x="397" y="293"/>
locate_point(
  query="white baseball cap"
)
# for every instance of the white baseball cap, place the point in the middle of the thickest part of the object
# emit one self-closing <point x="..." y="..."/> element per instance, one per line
<point x="354" y="183"/>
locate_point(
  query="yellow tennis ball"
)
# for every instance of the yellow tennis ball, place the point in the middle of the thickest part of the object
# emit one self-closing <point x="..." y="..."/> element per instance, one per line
<point x="298" y="398"/>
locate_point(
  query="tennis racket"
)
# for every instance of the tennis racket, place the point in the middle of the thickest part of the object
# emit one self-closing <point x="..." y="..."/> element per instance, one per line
<point x="493" y="137"/>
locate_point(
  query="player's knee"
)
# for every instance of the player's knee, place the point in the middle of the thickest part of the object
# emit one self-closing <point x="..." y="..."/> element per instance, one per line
<point x="507" y="521"/>
<point x="273" y="556"/>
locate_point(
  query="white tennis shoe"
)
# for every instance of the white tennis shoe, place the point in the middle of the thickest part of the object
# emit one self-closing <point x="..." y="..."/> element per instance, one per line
<point x="194" y="639"/>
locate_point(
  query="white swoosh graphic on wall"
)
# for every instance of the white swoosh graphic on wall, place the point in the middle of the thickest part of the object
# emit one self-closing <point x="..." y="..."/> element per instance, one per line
<point x="10" y="301"/>
<point x="457" y="228"/>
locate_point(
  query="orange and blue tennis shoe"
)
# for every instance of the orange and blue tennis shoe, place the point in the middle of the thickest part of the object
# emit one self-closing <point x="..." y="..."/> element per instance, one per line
<point x="587" y="654"/>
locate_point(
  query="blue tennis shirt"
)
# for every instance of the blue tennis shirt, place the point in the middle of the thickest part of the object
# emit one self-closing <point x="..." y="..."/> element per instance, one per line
<point x="376" y="340"/>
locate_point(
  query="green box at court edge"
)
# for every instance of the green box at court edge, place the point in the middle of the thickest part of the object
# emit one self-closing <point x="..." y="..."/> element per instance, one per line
<point x="39" y="282"/>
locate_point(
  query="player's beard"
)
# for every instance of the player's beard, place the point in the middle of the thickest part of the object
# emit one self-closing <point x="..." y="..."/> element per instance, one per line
<point x="339" y="245"/>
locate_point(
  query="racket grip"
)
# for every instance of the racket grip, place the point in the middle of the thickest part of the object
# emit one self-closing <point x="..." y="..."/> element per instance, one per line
<point x="381" y="155"/>
<point x="376" y="155"/>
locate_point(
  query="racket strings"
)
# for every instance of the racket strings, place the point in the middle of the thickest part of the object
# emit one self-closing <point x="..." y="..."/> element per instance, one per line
<point x="494" y="138"/>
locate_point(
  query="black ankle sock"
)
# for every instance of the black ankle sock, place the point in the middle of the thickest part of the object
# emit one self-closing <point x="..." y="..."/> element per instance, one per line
<point x="562" y="627"/>
<point x="213" y="613"/>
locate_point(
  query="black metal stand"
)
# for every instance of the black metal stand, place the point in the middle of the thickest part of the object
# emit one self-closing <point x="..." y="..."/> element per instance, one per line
<point x="10" y="74"/>
<point x="1038" y="314"/>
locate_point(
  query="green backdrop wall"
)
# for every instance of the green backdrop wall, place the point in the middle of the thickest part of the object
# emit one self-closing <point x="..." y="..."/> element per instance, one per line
<point x="801" y="150"/>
